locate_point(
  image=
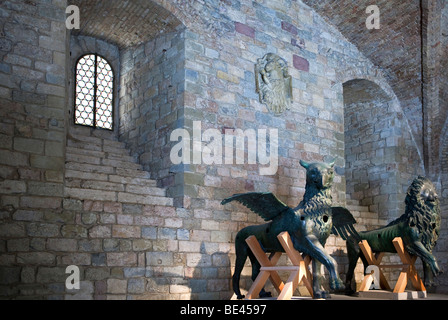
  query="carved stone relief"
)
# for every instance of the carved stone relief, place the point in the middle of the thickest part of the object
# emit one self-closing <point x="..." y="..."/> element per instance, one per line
<point x="273" y="83"/>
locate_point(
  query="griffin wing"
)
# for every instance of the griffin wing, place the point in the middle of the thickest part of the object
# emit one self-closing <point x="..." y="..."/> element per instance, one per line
<point x="265" y="204"/>
<point x="343" y="222"/>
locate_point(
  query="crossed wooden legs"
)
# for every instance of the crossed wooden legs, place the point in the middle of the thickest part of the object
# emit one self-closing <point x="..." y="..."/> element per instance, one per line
<point x="408" y="270"/>
<point x="269" y="270"/>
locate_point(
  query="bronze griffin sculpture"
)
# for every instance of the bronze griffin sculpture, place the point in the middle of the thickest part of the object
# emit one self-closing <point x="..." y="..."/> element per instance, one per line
<point x="309" y="226"/>
<point x="418" y="227"/>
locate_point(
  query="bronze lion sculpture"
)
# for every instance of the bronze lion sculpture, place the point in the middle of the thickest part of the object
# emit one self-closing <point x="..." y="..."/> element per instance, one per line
<point x="418" y="227"/>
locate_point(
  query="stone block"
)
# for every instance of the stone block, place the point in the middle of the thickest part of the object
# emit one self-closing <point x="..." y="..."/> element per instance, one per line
<point x="41" y="202"/>
<point x="98" y="259"/>
<point x="301" y="63"/>
<point x="65" y="245"/>
<point x="89" y="218"/>
<point x="46" y="189"/>
<point x="245" y="29"/>
<point x="116" y="286"/>
<point x="141" y="245"/>
<point x="74" y="231"/>
<point x="100" y="232"/>
<point x="9" y="275"/>
<point x="36" y="258"/>
<point x="159" y="259"/>
<point x="45" y="230"/>
<point x="12" y="187"/>
<point x="46" y="162"/>
<point x="125" y="231"/>
<point x="167" y="233"/>
<point x="125" y="219"/>
<point x="77" y="259"/>
<point x="15" y="245"/>
<point x="149" y="233"/>
<point x="13" y="158"/>
<point x="198" y="260"/>
<point x="28" y="275"/>
<point x="121" y="259"/>
<point x="136" y="285"/>
<point x="113" y="207"/>
<point x="72" y="204"/>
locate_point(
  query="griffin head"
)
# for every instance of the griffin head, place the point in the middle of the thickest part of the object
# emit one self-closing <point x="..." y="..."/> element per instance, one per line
<point x="319" y="174"/>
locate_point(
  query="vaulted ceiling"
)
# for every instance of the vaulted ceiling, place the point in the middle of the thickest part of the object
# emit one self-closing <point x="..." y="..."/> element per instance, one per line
<point x="411" y="47"/>
<point x="395" y="47"/>
<point x="125" y="23"/>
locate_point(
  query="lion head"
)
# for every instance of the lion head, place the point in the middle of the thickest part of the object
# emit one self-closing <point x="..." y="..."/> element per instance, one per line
<point x="423" y="210"/>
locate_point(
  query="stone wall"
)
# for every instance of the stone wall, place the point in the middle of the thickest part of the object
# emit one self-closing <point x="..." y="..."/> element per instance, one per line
<point x="33" y="65"/>
<point x="151" y="98"/>
<point x="381" y="157"/>
<point x="128" y="248"/>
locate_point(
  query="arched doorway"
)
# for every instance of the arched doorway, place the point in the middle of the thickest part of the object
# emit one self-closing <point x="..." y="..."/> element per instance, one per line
<point x="380" y="155"/>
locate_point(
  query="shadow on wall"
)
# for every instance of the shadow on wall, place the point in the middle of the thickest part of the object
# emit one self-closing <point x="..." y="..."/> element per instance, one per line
<point x="380" y="153"/>
<point x="246" y="276"/>
<point x="196" y="276"/>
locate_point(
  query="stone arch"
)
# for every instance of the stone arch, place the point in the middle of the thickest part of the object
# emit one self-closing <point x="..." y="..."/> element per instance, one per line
<point x="126" y="23"/>
<point x="146" y="40"/>
<point x="82" y="45"/>
<point x="380" y="153"/>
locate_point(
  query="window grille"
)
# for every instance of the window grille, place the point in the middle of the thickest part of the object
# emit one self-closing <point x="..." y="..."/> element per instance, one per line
<point x="94" y="92"/>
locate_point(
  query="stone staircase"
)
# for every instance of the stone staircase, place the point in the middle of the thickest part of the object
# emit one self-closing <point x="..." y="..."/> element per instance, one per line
<point x="99" y="168"/>
<point x="363" y="216"/>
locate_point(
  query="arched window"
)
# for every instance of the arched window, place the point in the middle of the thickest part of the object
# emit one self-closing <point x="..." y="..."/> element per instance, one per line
<point x="94" y="92"/>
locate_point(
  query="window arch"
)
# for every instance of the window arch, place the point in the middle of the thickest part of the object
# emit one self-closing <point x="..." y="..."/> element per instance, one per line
<point x="94" y="91"/>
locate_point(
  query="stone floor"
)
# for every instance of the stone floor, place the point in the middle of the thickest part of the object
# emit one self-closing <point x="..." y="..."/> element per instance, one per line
<point x="430" y="296"/>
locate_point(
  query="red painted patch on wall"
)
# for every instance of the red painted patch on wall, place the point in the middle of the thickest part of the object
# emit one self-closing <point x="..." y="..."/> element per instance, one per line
<point x="244" y="29"/>
<point x="300" y="63"/>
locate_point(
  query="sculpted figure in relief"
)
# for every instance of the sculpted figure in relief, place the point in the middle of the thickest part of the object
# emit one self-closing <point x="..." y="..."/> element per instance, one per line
<point x="273" y="83"/>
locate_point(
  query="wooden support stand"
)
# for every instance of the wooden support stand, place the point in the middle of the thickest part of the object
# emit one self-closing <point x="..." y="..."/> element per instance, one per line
<point x="408" y="272"/>
<point x="269" y="270"/>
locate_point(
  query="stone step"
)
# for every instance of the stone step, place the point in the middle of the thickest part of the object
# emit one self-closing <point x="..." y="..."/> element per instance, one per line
<point x="133" y="180"/>
<point x="352" y="202"/>
<point x="357" y="208"/>
<point x="105" y="177"/>
<point x="82" y="145"/>
<point x="96" y="144"/>
<point x="92" y="168"/>
<point x="113" y="196"/>
<point x="100" y="168"/>
<point x="144" y="190"/>
<point x="122" y="154"/>
<point x="98" y="141"/>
